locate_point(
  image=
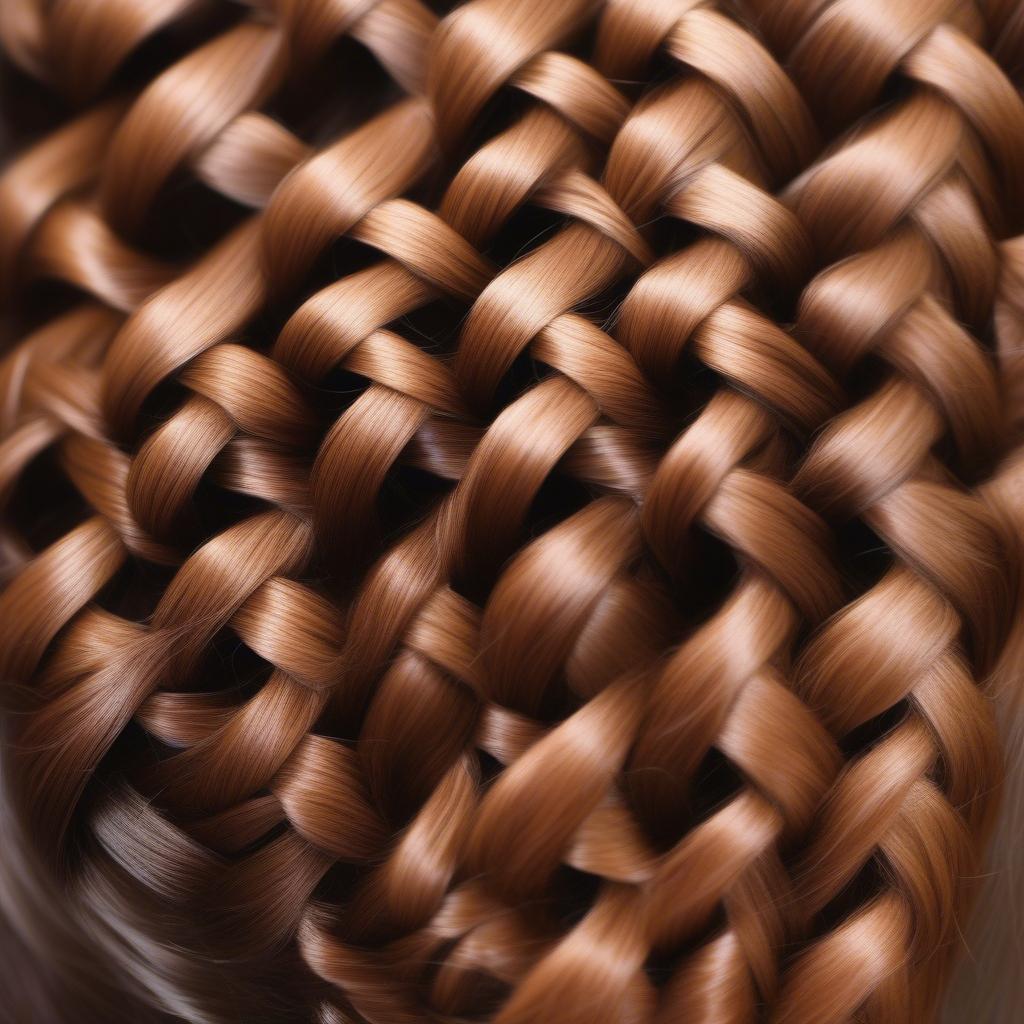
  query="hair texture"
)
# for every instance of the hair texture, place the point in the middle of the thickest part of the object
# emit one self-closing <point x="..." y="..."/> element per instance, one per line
<point x="511" y="511"/>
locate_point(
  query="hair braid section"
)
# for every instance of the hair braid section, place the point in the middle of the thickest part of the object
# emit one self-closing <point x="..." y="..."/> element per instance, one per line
<point x="512" y="797"/>
<point x="903" y="285"/>
<point x="538" y="540"/>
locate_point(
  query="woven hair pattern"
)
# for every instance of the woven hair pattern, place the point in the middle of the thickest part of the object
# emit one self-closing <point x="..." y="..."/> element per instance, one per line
<point x="511" y="510"/>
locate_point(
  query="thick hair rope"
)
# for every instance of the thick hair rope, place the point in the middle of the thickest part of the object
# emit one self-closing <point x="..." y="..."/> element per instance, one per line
<point x="511" y="511"/>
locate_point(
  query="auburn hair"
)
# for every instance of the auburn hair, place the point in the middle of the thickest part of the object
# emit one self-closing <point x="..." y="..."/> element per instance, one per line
<point x="511" y="510"/>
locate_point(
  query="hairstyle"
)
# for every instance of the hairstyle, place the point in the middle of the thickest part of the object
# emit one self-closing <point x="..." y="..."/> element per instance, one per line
<point x="511" y="510"/>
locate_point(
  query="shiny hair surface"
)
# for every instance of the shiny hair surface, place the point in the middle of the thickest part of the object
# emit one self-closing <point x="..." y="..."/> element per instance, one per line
<point x="511" y="511"/>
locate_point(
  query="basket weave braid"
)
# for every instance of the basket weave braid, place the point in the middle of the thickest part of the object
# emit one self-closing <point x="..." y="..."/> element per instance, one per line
<point x="511" y="509"/>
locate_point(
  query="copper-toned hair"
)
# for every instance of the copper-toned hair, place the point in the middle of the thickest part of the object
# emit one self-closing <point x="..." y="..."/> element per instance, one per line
<point x="511" y="511"/>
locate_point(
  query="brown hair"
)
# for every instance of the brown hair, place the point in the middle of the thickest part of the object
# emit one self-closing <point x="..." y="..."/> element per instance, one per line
<point x="512" y="511"/>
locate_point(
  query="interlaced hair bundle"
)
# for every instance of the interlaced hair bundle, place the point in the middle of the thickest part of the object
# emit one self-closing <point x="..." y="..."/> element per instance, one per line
<point x="511" y="511"/>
